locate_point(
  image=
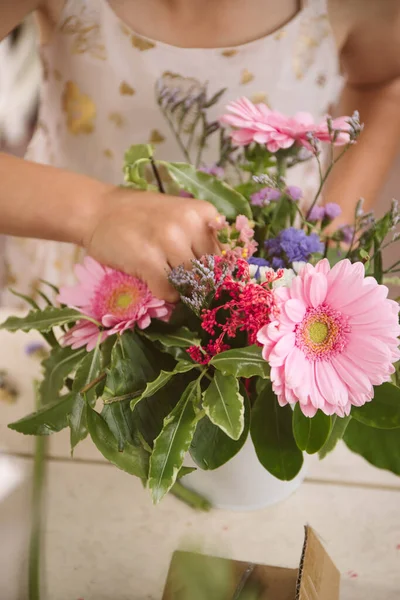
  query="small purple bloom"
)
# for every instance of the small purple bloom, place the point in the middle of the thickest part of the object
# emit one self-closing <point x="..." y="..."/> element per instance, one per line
<point x="332" y="210"/>
<point x="264" y="196"/>
<point x="294" y="192"/>
<point x="278" y="263"/>
<point x="213" y="170"/>
<point x="347" y="232"/>
<point x="34" y="348"/>
<point x="317" y="213"/>
<point x="292" y="245"/>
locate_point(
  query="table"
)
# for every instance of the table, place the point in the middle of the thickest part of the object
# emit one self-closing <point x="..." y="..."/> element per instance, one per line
<point x="104" y="540"/>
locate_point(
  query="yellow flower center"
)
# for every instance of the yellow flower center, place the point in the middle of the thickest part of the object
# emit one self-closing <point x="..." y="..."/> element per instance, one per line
<point x="318" y="331"/>
<point x="124" y="300"/>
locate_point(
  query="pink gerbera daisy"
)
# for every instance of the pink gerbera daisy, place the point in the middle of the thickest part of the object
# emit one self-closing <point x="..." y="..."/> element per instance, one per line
<point x="336" y="337"/>
<point x="258" y="123"/>
<point x="115" y="300"/>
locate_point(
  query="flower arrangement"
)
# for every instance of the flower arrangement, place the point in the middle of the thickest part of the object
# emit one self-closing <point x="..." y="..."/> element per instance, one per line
<point x="287" y="337"/>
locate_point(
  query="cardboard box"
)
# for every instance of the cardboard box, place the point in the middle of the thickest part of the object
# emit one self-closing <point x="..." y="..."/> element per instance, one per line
<point x="197" y="577"/>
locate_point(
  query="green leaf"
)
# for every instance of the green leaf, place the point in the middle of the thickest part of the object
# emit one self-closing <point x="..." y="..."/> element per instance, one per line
<point x="87" y="371"/>
<point x="339" y="425"/>
<point x="171" y="445"/>
<point x="135" y="159"/>
<point x="106" y="349"/>
<point x="143" y="361"/>
<point x="310" y="434"/>
<point x="26" y="299"/>
<point x="118" y="417"/>
<point x="42" y="320"/>
<point x="185" y="471"/>
<point x="242" y="362"/>
<point x="226" y="200"/>
<point x="164" y="377"/>
<point x="120" y="380"/>
<point x="272" y="435"/>
<point x="57" y="366"/>
<point x="136" y="152"/>
<point x="211" y="448"/>
<point x="133" y="459"/>
<point x="379" y="447"/>
<point x="51" y="418"/>
<point x="181" y="338"/>
<point x="224" y="406"/>
<point x="383" y="411"/>
<point x="130" y="369"/>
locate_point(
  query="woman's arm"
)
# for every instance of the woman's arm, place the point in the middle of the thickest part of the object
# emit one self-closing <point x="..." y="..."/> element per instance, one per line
<point x="369" y="39"/>
<point x="141" y="233"/>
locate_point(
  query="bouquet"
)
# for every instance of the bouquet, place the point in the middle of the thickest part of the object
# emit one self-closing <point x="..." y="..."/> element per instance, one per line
<point x="287" y="337"/>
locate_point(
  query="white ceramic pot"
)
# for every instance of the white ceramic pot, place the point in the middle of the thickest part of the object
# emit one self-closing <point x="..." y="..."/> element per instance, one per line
<point x="242" y="484"/>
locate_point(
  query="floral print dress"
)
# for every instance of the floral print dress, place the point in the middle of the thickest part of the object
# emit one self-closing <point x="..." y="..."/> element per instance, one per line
<point x="106" y="88"/>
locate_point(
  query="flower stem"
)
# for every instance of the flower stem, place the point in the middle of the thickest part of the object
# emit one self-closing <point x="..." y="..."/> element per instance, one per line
<point x="324" y="178"/>
<point x="157" y="176"/>
<point x="93" y="383"/>
<point x="36" y="526"/>
<point x="191" y="498"/>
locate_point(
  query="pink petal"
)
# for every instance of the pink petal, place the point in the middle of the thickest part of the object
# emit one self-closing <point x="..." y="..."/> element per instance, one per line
<point x="318" y="289"/>
<point x="295" y="310"/>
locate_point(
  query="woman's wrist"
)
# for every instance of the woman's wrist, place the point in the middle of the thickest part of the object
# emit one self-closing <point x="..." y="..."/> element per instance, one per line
<point x="91" y="203"/>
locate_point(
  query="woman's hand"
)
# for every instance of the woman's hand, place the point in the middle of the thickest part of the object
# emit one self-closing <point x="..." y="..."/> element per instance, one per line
<point x="146" y="234"/>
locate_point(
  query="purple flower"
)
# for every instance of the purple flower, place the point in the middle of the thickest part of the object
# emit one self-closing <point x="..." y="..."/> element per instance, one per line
<point x="35" y="348"/>
<point x="213" y="170"/>
<point x="294" y="192"/>
<point x="292" y="245"/>
<point x="264" y="196"/>
<point x="317" y="213"/>
<point x="332" y="210"/>
<point x="347" y="232"/>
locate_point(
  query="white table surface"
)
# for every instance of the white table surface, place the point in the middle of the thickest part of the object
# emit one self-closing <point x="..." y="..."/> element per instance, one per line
<point x="104" y="540"/>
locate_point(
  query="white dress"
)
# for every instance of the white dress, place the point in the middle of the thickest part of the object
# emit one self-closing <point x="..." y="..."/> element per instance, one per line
<point x="99" y="96"/>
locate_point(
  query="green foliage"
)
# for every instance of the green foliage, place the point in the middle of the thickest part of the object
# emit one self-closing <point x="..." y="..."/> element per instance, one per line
<point x="171" y="445"/>
<point x="179" y="338"/>
<point x="272" y="435"/>
<point x="56" y="367"/>
<point x="51" y="418"/>
<point x="226" y="200"/>
<point x="164" y="377"/>
<point x="242" y="362"/>
<point x="86" y="373"/>
<point x="383" y="411"/>
<point x="133" y="459"/>
<point x="211" y="447"/>
<point x="223" y="404"/>
<point x="310" y="434"/>
<point x="136" y="159"/>
<point x="339" y="425"/>
<point x="379" y="447"/>
<point x="42" y="320"/>
<point x="119" y="419"/>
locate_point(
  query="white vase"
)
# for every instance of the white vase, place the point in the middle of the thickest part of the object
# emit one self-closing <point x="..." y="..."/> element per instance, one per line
<point x="242" y="484"/>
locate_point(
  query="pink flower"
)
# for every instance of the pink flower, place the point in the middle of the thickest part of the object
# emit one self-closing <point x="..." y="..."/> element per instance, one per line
<point x="257" y="123"/>
<point x="219" y="223"/>
<point x="115" y="300"/>
<point x="242" y="225"/>
<point x="341" y="125"/>
<point x="336" y="337"/>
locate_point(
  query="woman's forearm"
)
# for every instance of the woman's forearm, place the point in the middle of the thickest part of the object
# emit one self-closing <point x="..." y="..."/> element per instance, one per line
<point x="363" y="169"/>
<point x="45" y="202"/>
